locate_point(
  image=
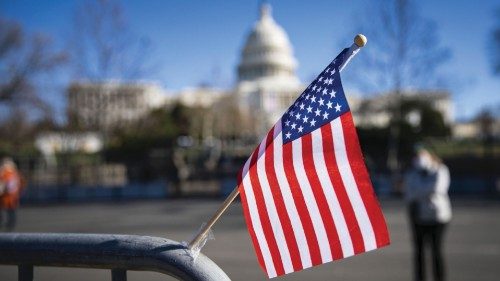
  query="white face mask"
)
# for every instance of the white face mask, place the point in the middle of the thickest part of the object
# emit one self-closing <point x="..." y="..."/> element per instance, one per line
<point x="423" y="161"/>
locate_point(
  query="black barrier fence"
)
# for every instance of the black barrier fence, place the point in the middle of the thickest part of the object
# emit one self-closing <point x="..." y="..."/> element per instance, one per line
<point x="159" y="189"/>
<point x="460" y="186"/>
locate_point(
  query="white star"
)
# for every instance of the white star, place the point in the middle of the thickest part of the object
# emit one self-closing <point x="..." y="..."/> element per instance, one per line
<point x="325" y="116"/>
<point x="337" y="108"/>
<point x="325" y="91"/>
<point x="288" y="135"/>
<point x="300" y="129"/>
<point x="313" y="99"/>
<point x="321" y="102"/>
<point x="327" y="69"/>
<point x="318" y="90"/>
<point x="318" y="112"/>
<point x="332" y="72"/>
<point x="320" y="78"/>
<point x="292" y="113"/>
<point x="309" y="109"/>
<point x="305" y="119"/>
<point x="332" y="94"/>
<point x="313" y="122"/>
<point x="297" y="116"/>
<point x="314" y="88"/>
<point x="329" y="104"/>
<point x="287" y="123"/>
<point x="294" y="125"/>
<point x="307" y="96"/>
<point x="302" y="106"/>
<point x="330" y="81"/>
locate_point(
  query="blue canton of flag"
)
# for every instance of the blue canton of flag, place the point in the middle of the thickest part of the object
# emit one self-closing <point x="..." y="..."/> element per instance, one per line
<point x="321" y="102"/>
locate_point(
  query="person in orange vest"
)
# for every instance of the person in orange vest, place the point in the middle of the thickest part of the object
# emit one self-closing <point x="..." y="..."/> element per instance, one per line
<point x="10" y="189"/>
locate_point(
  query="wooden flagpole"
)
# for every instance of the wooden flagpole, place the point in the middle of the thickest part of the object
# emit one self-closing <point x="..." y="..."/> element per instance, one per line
<point x="359" y="42"/>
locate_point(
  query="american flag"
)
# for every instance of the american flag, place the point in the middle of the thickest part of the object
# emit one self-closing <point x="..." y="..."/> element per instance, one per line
<point x="306" y="194"/>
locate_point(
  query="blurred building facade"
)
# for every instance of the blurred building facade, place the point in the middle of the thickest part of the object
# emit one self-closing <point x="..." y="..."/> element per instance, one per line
<point x="375" y="111"/>
<point x="477" y="129"/>
<point x="51" y="143"/>
<point x="201" y="97"/>
<point x="105" y="105"/>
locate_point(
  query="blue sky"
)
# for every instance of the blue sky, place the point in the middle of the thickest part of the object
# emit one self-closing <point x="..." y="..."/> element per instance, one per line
<point x="191" y="39"/>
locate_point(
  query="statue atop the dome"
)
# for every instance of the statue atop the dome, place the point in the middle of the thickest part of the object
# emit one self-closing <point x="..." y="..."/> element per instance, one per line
<point x="265" y="10"/>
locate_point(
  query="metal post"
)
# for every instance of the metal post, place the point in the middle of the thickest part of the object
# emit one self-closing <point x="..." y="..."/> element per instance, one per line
<point x="118" y="274"/>
<point x="25" y="272"/>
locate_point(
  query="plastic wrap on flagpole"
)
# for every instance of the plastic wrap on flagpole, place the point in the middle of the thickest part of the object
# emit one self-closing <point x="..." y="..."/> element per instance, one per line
<point x="195" y="251"/>
<point x="353" y="50"/>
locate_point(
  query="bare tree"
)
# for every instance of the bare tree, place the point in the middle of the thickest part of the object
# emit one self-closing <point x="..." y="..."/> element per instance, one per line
<point x="404" y="53"/>
<point x="102" y="45"/>
<point x="495" y="45"/>
<point x="24" y="58"/>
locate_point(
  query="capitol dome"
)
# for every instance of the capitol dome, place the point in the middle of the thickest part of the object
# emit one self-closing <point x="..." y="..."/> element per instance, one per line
<point x="267" y="52"/>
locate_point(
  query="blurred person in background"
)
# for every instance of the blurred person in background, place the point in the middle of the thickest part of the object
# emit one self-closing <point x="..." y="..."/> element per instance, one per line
<point x="426" y="191"/>
<point x="10" y="189"/>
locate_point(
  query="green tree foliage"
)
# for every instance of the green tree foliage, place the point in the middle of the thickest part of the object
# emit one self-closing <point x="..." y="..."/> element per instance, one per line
<point x="17" y="133"/>
<point x="146" y="146"/>
<point x="429" y="124"/>
<point x="158" y="129"/>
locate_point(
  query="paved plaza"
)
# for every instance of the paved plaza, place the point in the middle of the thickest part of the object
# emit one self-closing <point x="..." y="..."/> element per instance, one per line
<point x="472" y="240"/>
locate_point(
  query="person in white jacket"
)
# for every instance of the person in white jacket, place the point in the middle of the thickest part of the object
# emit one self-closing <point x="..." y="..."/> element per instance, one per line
<point x="426" y="191"/>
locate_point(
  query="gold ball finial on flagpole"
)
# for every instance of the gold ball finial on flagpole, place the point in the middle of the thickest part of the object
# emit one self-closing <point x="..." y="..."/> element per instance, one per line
<point x="360" y="40"/>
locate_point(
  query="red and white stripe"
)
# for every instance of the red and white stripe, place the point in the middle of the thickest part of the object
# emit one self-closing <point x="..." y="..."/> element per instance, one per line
<point x="310" y="201"/>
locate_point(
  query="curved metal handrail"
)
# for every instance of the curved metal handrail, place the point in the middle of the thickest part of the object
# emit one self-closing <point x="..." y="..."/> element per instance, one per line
<point x="107" y="251"/>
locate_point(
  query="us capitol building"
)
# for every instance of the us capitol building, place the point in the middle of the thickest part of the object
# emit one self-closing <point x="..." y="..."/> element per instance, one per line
<point x="267" y="84"/>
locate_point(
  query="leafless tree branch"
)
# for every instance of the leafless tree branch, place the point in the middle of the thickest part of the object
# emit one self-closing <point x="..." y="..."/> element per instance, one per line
<point x="103" y="47"/>
<point x="405" y="50"/>
<point x="23" y="59"/>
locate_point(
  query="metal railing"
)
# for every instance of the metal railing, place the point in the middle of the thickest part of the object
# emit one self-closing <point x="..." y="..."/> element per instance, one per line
<point x="118" y="253"/>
